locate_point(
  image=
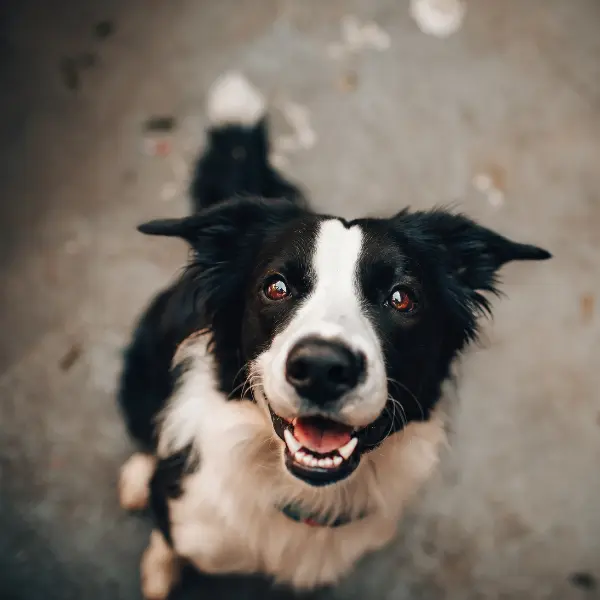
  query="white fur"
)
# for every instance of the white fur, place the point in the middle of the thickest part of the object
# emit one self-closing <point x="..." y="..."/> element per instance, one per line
<point x="227" y="519"/>
<point x="232" y="99"/>
<point x="134" y="480"/>
<point x="332" y="311"/>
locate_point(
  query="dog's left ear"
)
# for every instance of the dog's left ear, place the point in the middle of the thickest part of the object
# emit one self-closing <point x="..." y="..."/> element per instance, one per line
<point x="225" y="239"/>
<point x="471" y="253"/>
<point x="237" y="218"/>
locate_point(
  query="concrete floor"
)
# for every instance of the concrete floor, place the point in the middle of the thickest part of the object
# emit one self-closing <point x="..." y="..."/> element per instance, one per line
<point x="514" y="512"/>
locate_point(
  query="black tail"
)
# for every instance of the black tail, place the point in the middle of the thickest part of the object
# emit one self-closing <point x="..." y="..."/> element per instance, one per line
<point x="235" y="163"/>
<point x="236" y="159"/>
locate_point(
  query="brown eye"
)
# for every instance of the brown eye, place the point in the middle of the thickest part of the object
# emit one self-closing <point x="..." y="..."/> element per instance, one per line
<point x="402" y="300"/>
<point x="276" y="289"/>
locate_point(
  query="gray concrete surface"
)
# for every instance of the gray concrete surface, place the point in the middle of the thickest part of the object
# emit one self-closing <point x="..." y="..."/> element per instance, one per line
<point x="514" y="511"/>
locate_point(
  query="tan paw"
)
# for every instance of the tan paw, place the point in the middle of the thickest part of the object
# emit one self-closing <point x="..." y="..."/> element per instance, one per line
<point x="134" y="481"/>
<point x="159" y="569"/>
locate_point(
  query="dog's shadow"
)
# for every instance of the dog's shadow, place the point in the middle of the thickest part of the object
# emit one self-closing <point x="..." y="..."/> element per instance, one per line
<point x="196" y="585"/>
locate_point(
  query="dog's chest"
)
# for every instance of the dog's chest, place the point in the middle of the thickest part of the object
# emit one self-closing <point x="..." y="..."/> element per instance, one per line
<point x="226" y="521"/>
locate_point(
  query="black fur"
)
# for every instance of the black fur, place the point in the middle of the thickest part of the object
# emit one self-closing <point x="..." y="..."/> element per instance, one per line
<point x="234" y="164"/>
<point x="444" y="259"/>
<point x="166" y="483"/>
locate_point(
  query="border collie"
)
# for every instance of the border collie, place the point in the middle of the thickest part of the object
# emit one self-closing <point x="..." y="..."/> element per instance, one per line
<point x="283" y="390"/>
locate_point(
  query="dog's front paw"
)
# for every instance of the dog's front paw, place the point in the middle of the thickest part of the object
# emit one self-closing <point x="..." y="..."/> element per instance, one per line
<point x="159" y="570"/>
<point x="134" y="481"/>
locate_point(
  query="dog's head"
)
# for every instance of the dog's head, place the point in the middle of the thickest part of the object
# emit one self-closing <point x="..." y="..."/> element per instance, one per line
<point x="343" y="331"/>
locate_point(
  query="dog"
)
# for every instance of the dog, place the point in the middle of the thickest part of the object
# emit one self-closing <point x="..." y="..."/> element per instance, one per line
<point x="284" y="390"/>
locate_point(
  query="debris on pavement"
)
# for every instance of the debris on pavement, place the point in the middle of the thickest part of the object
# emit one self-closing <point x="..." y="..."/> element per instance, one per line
<point x="587" y="303"/>
<point x="440" y="18"/>
<point x="348" y="82"/>
<point x="491" y="183"/>
<point x="104" y="29"/>
<point x="70" y="357"/>
<point x="583" y="580"/>
<point x="357" y="36"/>
<point x="157" y="146"/>
<point x="70" y="68"/>
<point x="161" y="123"/>
<point x="303" y="136"/>
<point x="157" y="135"/>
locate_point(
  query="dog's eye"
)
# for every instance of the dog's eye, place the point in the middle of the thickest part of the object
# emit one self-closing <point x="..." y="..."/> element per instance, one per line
<point x="402" y="300"/>
<point x="276" y="288"/>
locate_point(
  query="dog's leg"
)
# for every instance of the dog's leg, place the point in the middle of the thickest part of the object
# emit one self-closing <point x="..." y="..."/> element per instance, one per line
<point x="159" y="569"/>
<point x="134" y="481"/>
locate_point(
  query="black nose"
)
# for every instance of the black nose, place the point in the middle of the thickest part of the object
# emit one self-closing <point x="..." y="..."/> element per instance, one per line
<point x="323" y="370"/>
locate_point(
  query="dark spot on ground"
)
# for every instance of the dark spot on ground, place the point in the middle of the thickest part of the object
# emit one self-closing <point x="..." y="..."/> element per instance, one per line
<point x="69" y="73"/>
<point x="129" y="177"/>
<point x="86" y="60"/>
<point x="160" y="124"/>
<point x="348" y="82"/>
<point x="583" y="581"/>
<point x="586" y="304"/>
<point x="70" y="68"/>
<point x="104" y="29"/>
<point x="70" y="357"/>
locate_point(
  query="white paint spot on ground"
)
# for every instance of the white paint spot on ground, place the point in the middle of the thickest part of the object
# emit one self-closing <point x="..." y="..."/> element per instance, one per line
<point x="357" y="36"/>
<point x="303" y="136"/>
<point x="440" y="18"/>
<point x="484" y="183"/>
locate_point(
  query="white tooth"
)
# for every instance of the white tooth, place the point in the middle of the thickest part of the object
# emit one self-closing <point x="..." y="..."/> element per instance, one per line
<point x="292" y="443"/>
<point x="299" y="456"/>
<point x="314" y="462"/>
<point x="328" y="462"/>
<point x="337" y="460"/>
<point x="347" y="450"/>
<point x="307" y="460"/>
<point x="323" y="462"/>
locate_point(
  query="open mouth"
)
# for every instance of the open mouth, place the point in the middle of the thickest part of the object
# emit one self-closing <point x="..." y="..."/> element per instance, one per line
<point x="319" y="451"/>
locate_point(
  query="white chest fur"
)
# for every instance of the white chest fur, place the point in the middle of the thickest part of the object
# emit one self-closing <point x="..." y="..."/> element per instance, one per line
<point x="228" y="520"/>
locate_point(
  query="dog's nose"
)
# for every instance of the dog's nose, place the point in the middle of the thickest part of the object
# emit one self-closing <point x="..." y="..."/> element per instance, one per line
<point x="323" y="370"/>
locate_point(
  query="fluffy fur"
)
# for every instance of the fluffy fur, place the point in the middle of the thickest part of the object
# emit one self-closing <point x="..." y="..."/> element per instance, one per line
<point x="376" y="308"/>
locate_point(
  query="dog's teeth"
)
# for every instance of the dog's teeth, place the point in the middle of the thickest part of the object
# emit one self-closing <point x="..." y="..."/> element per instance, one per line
<point x="347" y="450"/>
<point x="314" y="462"/>
<point x="323" y="462"/>
<point x="307" y="460"/>
<point x="337" y="460"/>
<point x="328" y="462"/>
<point x="299" y="456"/>
<point x="292" y="443"/>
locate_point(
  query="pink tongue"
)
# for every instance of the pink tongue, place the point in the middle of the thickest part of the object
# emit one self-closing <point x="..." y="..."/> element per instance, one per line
<point x="321" y="435"/>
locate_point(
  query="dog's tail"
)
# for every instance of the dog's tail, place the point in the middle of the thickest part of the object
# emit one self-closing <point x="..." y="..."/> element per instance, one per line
<point x="236" y="159"/>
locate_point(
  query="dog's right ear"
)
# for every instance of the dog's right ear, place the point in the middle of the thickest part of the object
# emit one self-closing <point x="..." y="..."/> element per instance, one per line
<point x="226" y="239"/>
<point x="237" y="219"/>
<point x="167" y="227"/>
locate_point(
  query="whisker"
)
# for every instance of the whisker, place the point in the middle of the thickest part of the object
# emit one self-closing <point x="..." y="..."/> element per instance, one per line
<point x="411" y="394"/>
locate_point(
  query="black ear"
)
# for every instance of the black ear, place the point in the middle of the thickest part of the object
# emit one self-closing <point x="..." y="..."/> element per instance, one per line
<point x="226" y="239"/>
<point x="167" y="227"/>
<point x="238" y="217"/>
<point x="471" y="254"/>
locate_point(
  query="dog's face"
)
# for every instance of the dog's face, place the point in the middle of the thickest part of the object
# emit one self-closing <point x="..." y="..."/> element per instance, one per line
<point x="344" y="330"/>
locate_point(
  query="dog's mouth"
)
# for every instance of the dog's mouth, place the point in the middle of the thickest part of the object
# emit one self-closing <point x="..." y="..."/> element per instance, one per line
<point x="318" y="451"/>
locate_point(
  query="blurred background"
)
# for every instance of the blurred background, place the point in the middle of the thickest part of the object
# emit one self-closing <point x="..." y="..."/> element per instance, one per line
<point x="101" y="116"/>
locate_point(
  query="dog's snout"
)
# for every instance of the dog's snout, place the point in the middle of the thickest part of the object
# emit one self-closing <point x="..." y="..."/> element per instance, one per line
<point x="322" y="370"/>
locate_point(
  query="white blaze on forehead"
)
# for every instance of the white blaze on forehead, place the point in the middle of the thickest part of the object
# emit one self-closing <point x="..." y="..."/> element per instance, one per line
<point x="335" y="298"/>
<point x="336" y="257"/>
<point x="333" y="311"/>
